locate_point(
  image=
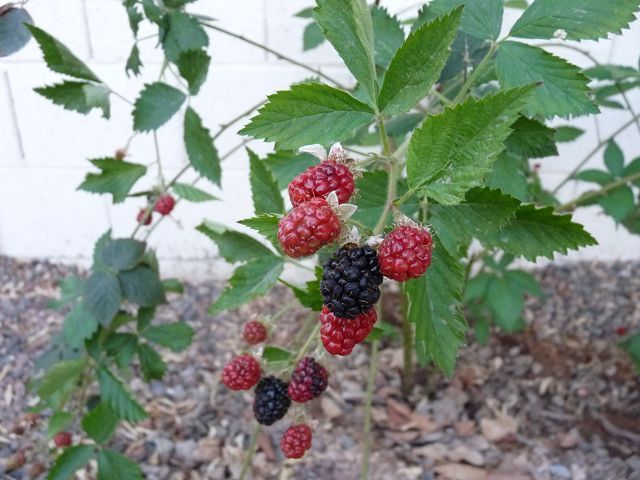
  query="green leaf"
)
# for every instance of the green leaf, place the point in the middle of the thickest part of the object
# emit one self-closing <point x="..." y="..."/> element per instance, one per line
<point x="135" y="17"/>
<point x="59" y="58"/>
<point x="80" y="97"/>
<point x="70" y="461"/>
<point x="234" y="246"/>
<point x="79" y="325"/>
<point x="116" y="177"/>
<point x="134" y="64"/>
<point x="123" y="253"/>
<point x="531" y="139"/>
<point x="276" y="354"/>
<point x="417" y="65"/>
<point x="312" y="37"/>
<point x="193" y="66"/>
<point x="516" y="4"/>
<point x="181" y="32"/>
<point x="633" y="168"/>
<point x="201" y="151"/>
<point x="192" y="194"/>
<point x="249" y="281"/>
<point x="372" y="194"/>
<point x="594" y="176"/>
<point x="388" y="35"/>
<point x="151" y="363"/>
<point x="121" y="346"/>
<point x="567" y="133"/>
<point x="310" y="295"/>
<point x="118" y="398"/>
<point x="580" y="19"/>
<point x="157" y="103"/>
<point x="435" y="309"/>
<point x="308" y="113"/>
<point x="266" y="225"/>
<point x="481" y="18"/>
<point x="611" y="72"/>
<point x="175" y="336"/>
<point x="632" y="346"/>
<point x="539" y="232"/>
<point x="286" y="164"/>
<point x="506" y="302"/>
<point x="60" y="375"/>
<point x="264" y="189"/>
<point x="145" y="317"/>
<point x="347" y="25"/>
<point x="58" y="421"/>
<point x="70" y="290"/>
<point x="100" y="423"/>
<point x="13" y="31"/>
<point x="114" y="466"/>
<point x="483" y="212"/>
<point x="564" y="91"/>
<point x="618" y="203"/>
<point x="305" y="13"/>
<point x="453" y="151"/>
<point x="614" y="159"/>
<point x="142" y="286"/>
<point x="102" y="296"/>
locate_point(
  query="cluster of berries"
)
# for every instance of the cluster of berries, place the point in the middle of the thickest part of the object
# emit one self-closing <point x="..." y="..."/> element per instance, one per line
<point x="273" y="396"/>
<point x="351" y="279"/>
<point x="163" y="205"/>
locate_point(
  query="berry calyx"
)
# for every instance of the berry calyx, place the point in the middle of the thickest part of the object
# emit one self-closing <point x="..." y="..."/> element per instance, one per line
<point x="272" y="401"/>
<point x="165" y="204"/>
<point x="62" y="439"/>
<point x="307" y="228"/>
<point x="241" y="373"/>
<point x="351" y="281"/>
<point x="405" y="253"/>
<point x="320" y="181"/>
<point x="254" y="332"/>
<point x="340" y="335"/>
<point x="308" y="380"/>
<point x="296" y="440"/>
<point x="144" y="217"/>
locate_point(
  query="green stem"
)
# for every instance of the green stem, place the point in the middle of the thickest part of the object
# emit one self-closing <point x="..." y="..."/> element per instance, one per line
<point x="592" y="153"/>
<point x="307" y="344"/>
<point x="253" y="443"/>
<point x="393" y="179"/>
<point x="366" y="431"/>
<point x="407" y="345"/>
<point x="607" y="188"/>
<point x="479" y="70"/>
<point x="274" y="52"/>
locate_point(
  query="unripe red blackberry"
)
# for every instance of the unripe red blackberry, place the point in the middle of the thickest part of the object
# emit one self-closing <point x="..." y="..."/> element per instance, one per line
<point x="241" y="373"/>
<point x="165" y="204"/>
<point x="144" y="217"/>
<point x="62" y="439"/>
<point x="340" y="335"/>
<point x="307" y="228"/>
<point x="308" y="380"/>
<point x="296" y="440"/>
<point x="254" y="332"/>
<point x="405" y="253"/>
<point x="320" y="181"/>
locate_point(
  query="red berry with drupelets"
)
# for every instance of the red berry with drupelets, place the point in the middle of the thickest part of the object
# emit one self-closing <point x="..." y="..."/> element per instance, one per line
<point x="254" y="332"/>
<point x="296" y="440"/>
<point x="320" y="181"/>
<point x="144" y="217"/>
<point x="165" y="204"/>
<point x="307" y="228"/>
<point x="405" y="253"/>
<point x="308" y="380"/>
<point x="340" y="335"/>
<point x="241" y="373"/>
<point x="62" y="439"/>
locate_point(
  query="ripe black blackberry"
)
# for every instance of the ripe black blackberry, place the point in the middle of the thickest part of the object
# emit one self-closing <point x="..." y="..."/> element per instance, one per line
<point x="272" y="400"/>
<point x="351" y="281"/>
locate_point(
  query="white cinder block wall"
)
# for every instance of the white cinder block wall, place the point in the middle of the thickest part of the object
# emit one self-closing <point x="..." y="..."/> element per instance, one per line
<point x="44" y="149"/>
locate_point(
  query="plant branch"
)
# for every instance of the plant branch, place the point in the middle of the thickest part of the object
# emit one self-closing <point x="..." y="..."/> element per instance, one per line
<point x="279" y="55"/>
<point x="253" y="443"/>
<point x="407" y="347"/>
<point x="597" y="193"/>
<point x="368" y="402"/>
<point x="482" y="66"/>
<point x="595" y="150"/>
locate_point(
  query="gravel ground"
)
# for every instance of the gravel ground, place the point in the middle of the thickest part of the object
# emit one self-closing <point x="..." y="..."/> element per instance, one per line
<point x="558" y="401"/>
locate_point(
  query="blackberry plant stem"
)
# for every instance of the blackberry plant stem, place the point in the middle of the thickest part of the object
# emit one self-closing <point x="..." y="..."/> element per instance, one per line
<point x="253" y="443"/>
